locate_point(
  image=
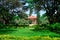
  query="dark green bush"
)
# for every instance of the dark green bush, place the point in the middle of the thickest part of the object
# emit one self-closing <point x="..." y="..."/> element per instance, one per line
<point x="52" y="27"/>
<point x="41" y="27"/>
<point x="2" y="26"/>
<point x="55" y="27"/>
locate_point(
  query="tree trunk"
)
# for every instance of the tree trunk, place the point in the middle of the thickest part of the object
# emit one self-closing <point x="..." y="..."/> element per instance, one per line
<point x="38" y="17"/>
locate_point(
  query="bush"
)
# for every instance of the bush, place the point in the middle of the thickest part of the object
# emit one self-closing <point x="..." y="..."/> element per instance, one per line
<point x="21" y="21"/>
<point x="41" y="27"/>
<point x="2" y="26"/>
<point x="55" y="27"/>
<point x="52" y="27"/>
<point x="7" y="26"/>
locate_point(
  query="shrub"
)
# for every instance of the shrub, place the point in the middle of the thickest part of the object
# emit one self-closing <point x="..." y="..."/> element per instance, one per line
<point x="55" y="27"/>
<point x="2" y="26"/>
<point x="41" y="27"/>
<point x="21" y="21"/>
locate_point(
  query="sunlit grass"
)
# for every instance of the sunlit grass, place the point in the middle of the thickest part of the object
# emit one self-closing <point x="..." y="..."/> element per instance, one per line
<point x="28" y="32"/>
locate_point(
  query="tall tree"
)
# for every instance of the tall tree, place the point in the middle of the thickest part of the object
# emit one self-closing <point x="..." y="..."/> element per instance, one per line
<point x="52" y="9"/>
<point x="5" y="6"/>
<point x="37" y="4"/>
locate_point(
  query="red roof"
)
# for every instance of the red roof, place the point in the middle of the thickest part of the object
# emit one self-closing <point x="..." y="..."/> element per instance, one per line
<point x="32" y="17"/>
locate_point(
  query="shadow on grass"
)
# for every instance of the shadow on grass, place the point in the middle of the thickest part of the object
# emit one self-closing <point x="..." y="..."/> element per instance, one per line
<point x="47" y="32"/>
<point x="7" y="31"/>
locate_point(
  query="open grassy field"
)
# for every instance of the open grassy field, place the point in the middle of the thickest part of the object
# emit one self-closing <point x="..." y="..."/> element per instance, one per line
<point x="27" y="32"/>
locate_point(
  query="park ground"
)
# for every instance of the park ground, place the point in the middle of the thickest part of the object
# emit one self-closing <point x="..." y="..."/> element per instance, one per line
<point x="27" y="33"/>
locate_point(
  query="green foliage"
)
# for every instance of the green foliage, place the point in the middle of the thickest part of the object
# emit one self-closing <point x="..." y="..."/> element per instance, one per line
<point x="22" y="15"/>
<point x="4" y="10"/>
<point x="44" y="19"/>
<point x="14" y="3"/>
<point x="50" y="9"/>
<point x="41" y="27"/>
<point x="21" y="21"/>
<point x="29" y="1"/>
<point x="52" y="27"/>
<point x="55" y="27"/>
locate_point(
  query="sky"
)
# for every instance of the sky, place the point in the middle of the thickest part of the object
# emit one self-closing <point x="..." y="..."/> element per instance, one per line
<point x="33" y="13"/>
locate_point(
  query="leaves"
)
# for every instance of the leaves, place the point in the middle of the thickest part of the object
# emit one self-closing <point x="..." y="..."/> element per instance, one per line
<point x="6" y="5"/>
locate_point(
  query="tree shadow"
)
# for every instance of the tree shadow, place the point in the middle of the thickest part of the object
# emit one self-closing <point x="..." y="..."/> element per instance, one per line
<point x="7" y="31"/>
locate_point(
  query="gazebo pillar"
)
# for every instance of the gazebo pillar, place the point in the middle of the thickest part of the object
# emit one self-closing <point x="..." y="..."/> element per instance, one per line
<point x="33" y="21"/>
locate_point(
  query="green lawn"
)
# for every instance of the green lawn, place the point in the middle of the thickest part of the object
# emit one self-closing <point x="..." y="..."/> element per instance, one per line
<point x="28" y="32"/>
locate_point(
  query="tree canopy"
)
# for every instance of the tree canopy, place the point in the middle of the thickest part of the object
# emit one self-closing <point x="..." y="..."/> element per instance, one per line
<point x="8" y="10"/>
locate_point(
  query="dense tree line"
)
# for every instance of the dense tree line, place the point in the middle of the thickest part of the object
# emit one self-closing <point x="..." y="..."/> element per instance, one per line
<point x="9" y="9"/>
<point x="52" y="8"/>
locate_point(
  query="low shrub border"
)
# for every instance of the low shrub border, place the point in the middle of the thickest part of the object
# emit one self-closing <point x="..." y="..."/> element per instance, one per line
<point x="15" y="26"/>
<point x="8" y="37"/>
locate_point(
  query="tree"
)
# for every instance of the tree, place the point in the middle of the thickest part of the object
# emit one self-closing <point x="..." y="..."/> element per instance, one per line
<point x="5" y="6"/>
<point x="52" y="11"/>
<point x="51" y="7"/>
<point x="34" y="4"/>
<point x="37" y="4"/>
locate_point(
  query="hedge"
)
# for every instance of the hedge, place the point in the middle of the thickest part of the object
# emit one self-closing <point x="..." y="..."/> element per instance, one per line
<point x="8" y="37"/>
<point x="15" y="26"/>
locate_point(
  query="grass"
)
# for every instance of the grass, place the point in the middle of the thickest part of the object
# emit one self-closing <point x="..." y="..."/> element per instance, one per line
<point x="8" y="37"/>
<point x="27" y="32"/>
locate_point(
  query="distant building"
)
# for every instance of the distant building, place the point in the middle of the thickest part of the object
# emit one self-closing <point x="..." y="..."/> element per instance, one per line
<point x="33" y="19"/>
